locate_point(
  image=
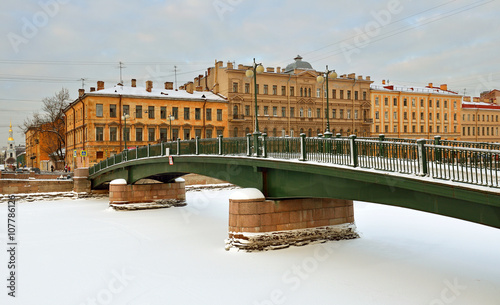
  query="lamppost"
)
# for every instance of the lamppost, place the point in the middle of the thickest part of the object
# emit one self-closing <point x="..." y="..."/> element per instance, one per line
<point x="321" y="78"/>
<point x="170" y="118"/>
<point x="256" y="69"/>
<point x="124" y="118"/>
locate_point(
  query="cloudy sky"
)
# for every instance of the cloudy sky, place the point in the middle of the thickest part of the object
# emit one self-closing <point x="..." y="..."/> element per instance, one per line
<point x="47" y="45"/>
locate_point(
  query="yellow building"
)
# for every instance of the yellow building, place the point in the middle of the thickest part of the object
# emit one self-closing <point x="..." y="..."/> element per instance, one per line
<point x="480" y="118"/>
<point x="96" y="127"/>
<point x="415" y="112"/>
<point x="290" y="100"/>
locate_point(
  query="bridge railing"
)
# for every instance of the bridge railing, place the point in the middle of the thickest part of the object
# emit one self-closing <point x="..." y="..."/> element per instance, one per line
<point x="440" y="160"/>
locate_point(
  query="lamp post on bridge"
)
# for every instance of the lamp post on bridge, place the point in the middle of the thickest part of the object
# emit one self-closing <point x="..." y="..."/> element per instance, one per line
<point x="320" y="79"/>
<point x="256" y="69"/>
<point x="170" y="118"/>
<point x="124" y="118"/>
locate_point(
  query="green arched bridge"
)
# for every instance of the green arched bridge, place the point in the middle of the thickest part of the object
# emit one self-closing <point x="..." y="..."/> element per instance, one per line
<point x="451" y="178"/>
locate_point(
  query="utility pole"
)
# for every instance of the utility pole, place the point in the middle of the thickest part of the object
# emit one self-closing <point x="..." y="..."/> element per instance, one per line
<point x="121" y="66"/>
<point x="83" y="83"/>
<point x="175" y="73"/>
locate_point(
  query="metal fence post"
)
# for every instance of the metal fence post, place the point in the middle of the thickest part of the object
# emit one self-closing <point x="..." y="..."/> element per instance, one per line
<point x="220" y="144"/>
<point x="437" y="151"/>
<point x="197" y="145"/>
<point x="303" y="155"/>
<point x="264" y="145"/>
<point x="149" y="150"/>
<point x="161" y="148"/>
<point x="178" y="146"/>
<point x="249" y="144"/>
<point x="422" y="157"/>
<point x="381" y="138"/>
<point x="339" y="143"/>
<point x="354" y="150"/>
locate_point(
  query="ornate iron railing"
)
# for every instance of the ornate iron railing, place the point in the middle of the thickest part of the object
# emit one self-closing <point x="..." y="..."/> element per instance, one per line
<point x="464" y="162"/>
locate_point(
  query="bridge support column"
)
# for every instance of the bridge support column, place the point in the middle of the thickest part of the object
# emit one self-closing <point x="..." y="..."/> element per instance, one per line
<point x="81" y="182"/>
<point x="122" y="193"/>
<point x="259" y="224"/>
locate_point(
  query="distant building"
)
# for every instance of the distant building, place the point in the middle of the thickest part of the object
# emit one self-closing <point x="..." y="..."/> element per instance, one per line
<point x="415" y="112"/>
<point x="480" y="120"/>
<point x="41" y="147"/>
<point x="10" y="152"/>
<point x="290" y="100"/>
<point x="95" y="129"/>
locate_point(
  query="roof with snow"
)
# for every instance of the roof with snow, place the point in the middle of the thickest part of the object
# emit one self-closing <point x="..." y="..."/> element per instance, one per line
<point x="412" y="89"/>
<point x="159" y="93"/>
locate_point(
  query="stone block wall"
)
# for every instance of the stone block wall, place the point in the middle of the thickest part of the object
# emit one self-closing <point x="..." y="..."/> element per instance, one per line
<point x="81" y="181"/>
<point x="16" y="186"/>
<point x="136" y="193"/>
<point x="260" y="215"/>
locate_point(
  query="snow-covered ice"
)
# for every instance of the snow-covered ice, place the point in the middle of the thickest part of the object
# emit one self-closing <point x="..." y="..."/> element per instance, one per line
<point x="83" y="252"/>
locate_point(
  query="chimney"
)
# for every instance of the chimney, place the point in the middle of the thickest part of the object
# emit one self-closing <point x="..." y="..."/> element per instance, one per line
<point x="241" y="67"/>
<point x="444" y="87"/>
<point x="199" y="88"/>
<point x="278" y="69"/>
<point x="229" y="65"/>
<point x="351" y="75"/>
<point x="367" y="78"/>
<point x="189" y="87"/>
<point x="383" y="82"/>
<point x="169" y="85"/>
<point x="134" y="82"/>
<point x="430" y="85"/>
<point x="149" y="85"/>
<point x="360" y="77"/>
<point x="92" y="89"/>
<point x="270" y="69"/>
<point x="81" y="92"/>
<point x="100" y="85"/>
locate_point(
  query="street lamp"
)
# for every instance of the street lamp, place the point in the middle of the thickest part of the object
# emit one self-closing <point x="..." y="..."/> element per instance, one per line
<point x="170" y="118"/>
<point x="124" y="118"/>
<point x="320" y="79"/>
<point x="256" y="69"/>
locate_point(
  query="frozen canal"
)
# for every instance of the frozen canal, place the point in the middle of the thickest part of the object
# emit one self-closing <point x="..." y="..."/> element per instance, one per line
<point x="81" y="252"/>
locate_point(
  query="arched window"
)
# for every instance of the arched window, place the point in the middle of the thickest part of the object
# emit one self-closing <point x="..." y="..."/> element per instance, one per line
<point x="301" y="91"/>
<point x="318" y="131"/>
<point x="265" y="130"/>
<point x="309" y="133"/>
<point x="247" y="131"/>
<point x="291" y="133"/>
<point x="301" y="112"/>
<point x="283" y="132"/>
<point x="309" y="113"/>
<point x="301" y="130"/>
<point x="309" y="92"/>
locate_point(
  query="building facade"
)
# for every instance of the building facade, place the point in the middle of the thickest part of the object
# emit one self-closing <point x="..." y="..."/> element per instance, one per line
<point x="10" y="152"/>
<point x="415" y="112"/>
<point x="290" y="101"/>
<point x="480" y="118"/>
<point x="97" y="128"/>
<point x="44" y="149"/>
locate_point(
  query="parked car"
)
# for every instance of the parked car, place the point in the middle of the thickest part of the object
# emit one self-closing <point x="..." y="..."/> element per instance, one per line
<point x="19" y="170"/>
<point x="35" y="169"/>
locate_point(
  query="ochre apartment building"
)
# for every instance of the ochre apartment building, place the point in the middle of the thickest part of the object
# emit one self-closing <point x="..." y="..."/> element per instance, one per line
<point x="95" y="128"/>
<point x="415" y="112"/>
<point x="290" y="100"/>
<point x="480" y="117"/>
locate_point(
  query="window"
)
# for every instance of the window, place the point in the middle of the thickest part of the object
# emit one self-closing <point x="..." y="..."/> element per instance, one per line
<point x="309" y="113"/>
<point x="257" y="88"/>
<point x="126" y="109"/>
<point x="318" y="113"/>
<point x="163" y="112"/>
<point x="99" y="133"/>
<point x="348" y="113"/>
<point x="235" y="132"/>
<point x="405" y="115"/>
<point x="247" y="110"/>
<point x="355" y="114"/>
<point x="364" y="95"/>
<point x="99" y="154"/>
<point x="377" y="115"/>
<point x="301" y="112"/>
<point x="422" y="128"/>
<point x="126" y="133"/>
<point x="266" y="89"/>
<point x="334" y="93"/>
<point x="302" y="91"/>
<point x="138" y="111"/>
<point x="386" y="101"/>
<point x="151" y="112"/>
<point x="275" y="90"/>
<point x="292" y="91"/>
<point x="421" y="102"/>
<point x="235" y="87"/>
<point x="395" y="115"/>
<point x="275" y="111"/>
<point x="112" y="111"/>
<point x="209" y="133"/>
<point x="247" y="87"/>
<point x="405" y="102"/>
<point x="209" y="114"/>
<point x="283" y="111"/>
<point x="356" y="95"/>
<point x="112" y="133"/>
<point x="187" y="134"/>
<point x="386" y="128"/>
<point x="414" y="115"/>
<point x="266" y="110"/>
<point x="219" y="114"/>
<point x="386" y="115"/>
<point x="334" y="113"/>
<point x="163" y="134"/>
<point x="445" y="104"/>
<point x="414" y="129"/>
<point x="348" y="94"/>
<point x="430" y="103"/>
<point x="376" y="101"/>
<point x="283" y="90"/>
<point x="318" y="92"/>
<point x="98" y="110"/>
<point x="395" y="101"/>
<point x="197" y="113"/>
<point x="341" y="94"/>
<point x="446" y="117"/>
<point x="377" y="129"/>
<point x="292" y="112"/>
<point x="197" y="133"/>
<point x="341" y="113"/>
<point x="454" y="117"/>
<point x="413" y="102"/>
<point x="138" y="134"/>
<point x="175" y="113"/>
<point x="309" y="90"/>
<point x="437" y="116"/>
<point x="186" y="113"/>
<point x="437" y="105"/>
<point x="151" y="134"/>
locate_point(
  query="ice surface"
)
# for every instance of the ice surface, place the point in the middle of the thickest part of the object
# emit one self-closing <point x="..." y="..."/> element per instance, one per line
<point x="81" y="252"/>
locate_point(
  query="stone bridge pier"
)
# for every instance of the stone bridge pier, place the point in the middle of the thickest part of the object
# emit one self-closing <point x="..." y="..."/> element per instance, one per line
<point x="122" y="193"/>
<point x="259" y="224"/>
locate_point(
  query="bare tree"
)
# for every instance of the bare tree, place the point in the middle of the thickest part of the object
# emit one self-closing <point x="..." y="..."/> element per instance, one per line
<point x="50" y="124"/>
